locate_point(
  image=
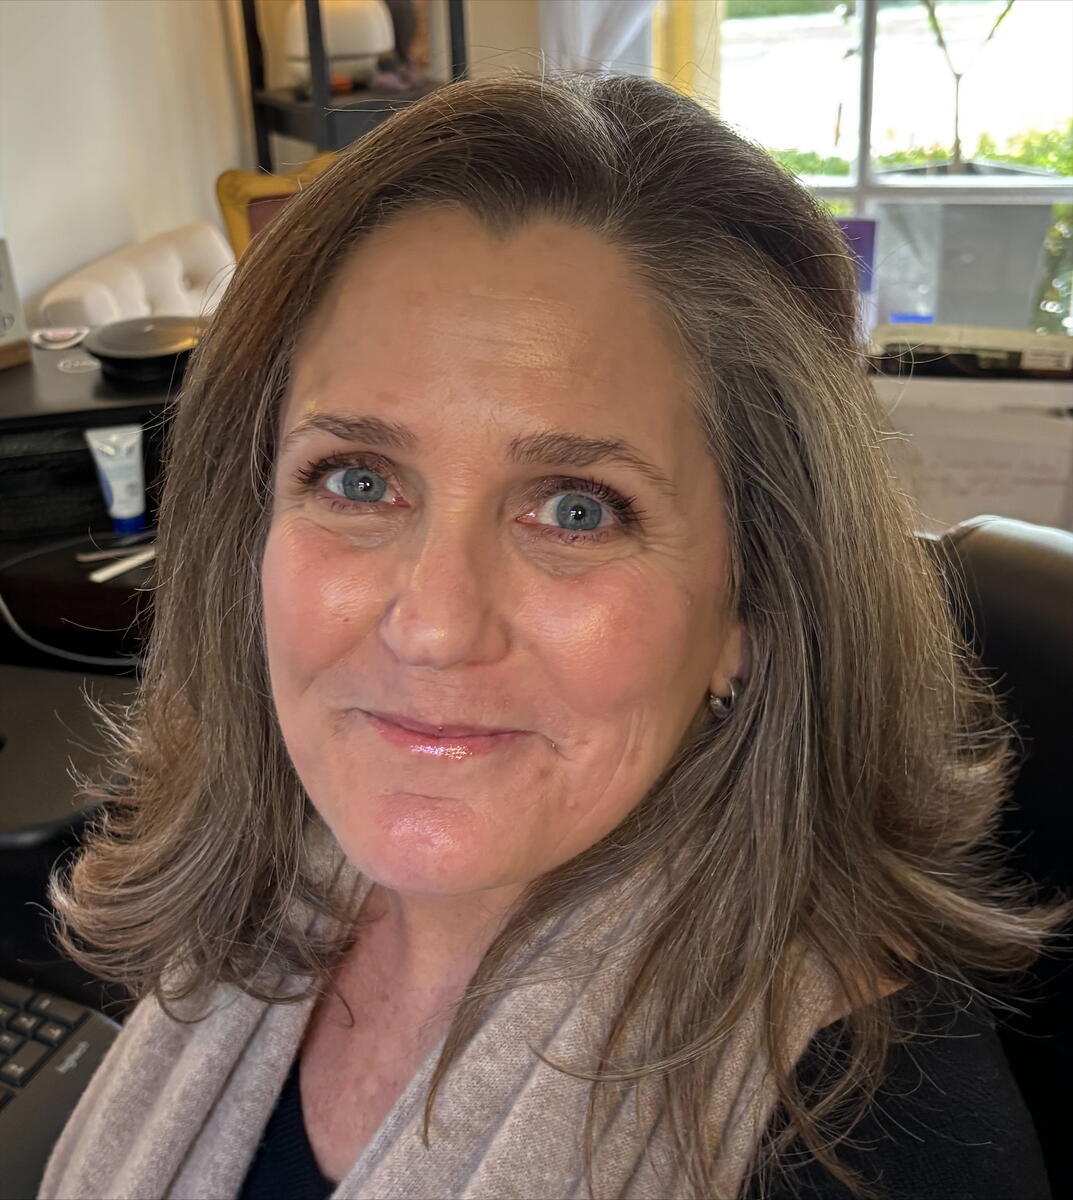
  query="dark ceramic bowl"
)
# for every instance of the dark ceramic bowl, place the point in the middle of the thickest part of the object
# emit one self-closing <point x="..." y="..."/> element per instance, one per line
<point x="145" y="351"/>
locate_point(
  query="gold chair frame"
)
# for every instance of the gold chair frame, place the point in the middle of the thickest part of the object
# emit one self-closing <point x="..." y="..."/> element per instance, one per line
<point x="237" y="188"/>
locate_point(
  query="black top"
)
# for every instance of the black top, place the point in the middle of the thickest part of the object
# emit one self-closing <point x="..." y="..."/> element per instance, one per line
<point x="947" y="1124"/>
<point x="284" y="1167"/>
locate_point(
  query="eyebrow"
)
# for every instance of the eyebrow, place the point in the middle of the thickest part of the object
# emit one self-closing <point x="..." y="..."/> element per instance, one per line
<point x="542" y="446"/>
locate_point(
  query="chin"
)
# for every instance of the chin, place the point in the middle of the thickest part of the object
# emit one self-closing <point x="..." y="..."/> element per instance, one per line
<point x="421" y="845"/>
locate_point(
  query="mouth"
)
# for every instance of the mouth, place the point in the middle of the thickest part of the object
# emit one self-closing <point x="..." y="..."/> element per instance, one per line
<point x="439" y="731"/>
<point x="443" y="743"/>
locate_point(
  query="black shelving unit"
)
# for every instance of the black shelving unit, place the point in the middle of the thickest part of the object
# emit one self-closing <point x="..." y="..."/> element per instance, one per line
<point x="329" y="121"/>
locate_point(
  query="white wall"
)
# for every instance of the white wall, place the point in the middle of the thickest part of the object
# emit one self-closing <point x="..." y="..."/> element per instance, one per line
<point x="116" y="116"/>
<point x="503" y="35"/>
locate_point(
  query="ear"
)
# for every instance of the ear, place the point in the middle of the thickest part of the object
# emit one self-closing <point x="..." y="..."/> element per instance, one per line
<point x="735" y="659"/>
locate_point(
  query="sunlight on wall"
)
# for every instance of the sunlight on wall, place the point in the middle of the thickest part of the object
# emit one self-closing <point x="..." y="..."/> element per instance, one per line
<point x="686" y="43"/>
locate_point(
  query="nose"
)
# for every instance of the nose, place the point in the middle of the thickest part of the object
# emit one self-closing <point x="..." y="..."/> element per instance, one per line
<point x="443" y="609"/>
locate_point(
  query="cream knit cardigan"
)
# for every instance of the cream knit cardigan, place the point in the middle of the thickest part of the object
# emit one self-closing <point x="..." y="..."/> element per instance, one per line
<point x="177" y="1109"/>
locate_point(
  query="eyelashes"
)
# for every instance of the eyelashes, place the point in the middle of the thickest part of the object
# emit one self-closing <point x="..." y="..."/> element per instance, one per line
<point x="624" y="508"/>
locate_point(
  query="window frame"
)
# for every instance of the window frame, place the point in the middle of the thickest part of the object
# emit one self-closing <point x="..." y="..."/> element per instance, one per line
<point x="865" y="191"/>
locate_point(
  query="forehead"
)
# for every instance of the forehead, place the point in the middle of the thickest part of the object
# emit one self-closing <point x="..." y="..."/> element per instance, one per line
<point x="437" y="319"/>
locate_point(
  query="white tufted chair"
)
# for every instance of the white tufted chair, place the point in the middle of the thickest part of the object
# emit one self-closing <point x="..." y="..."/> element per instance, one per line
<point x="182" y="272"/>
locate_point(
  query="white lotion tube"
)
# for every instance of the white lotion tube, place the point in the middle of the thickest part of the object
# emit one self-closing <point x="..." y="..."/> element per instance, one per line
<point x="117" y="454"/>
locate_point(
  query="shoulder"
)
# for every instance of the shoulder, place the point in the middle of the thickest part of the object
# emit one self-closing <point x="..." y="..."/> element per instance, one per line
<point x="136" y="1098"/>
<point x="947" y="1119"/>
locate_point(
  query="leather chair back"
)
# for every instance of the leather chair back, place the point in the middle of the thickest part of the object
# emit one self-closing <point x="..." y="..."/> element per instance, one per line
<point x="1011" y="584"/>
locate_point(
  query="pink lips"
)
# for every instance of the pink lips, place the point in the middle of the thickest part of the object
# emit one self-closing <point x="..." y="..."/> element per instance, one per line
<point x="445" y="742"/>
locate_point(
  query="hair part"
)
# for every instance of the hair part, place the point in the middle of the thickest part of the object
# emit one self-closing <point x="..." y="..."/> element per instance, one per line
<point x="850" y="803"/>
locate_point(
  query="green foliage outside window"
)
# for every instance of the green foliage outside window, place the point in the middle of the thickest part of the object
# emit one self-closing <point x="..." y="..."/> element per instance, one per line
<point x="1056" y="290"/>
<point x="741" y="9"/>
<point x="1051" y="149"/>
<point x="738" y="9"/>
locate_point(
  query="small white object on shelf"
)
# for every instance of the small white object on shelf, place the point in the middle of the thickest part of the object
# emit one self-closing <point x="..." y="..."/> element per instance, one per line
<point x="55" y="338"/>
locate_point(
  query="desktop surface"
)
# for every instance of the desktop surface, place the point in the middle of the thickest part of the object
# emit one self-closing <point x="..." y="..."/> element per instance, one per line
<point x="46" y="727"/>
<point x="57" y="385"/>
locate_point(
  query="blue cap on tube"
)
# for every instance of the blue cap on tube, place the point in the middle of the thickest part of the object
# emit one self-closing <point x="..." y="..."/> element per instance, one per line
<point x="129" y="524"/>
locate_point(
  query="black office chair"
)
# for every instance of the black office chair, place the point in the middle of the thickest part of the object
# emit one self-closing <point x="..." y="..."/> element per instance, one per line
<point x="1012" y="586"/>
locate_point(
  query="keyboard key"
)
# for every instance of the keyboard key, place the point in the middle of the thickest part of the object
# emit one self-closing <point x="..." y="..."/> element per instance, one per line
<point x="22" y="1064"/>
<point x="59" y="1010"/>
<point x="9" y="1042"/>
<point x="5" y="1096"/>
<point x="24" y="1023"/>
<point x="15" y="994"/>
<point x="52" y="1033"/>
<point x="6" y="1013"/>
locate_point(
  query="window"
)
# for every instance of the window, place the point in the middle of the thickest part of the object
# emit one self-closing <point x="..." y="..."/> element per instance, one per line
<point x="947" y="122"/>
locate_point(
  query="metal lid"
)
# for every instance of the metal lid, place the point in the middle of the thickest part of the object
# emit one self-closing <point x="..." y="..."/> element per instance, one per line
<point x="145" y="337"/>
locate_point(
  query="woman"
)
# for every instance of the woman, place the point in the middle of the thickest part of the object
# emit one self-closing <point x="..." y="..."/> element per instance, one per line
<point x="555" y="771"/>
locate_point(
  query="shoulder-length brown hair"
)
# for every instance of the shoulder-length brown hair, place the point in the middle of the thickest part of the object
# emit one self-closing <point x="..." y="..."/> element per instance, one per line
<point x="849" y="802"/>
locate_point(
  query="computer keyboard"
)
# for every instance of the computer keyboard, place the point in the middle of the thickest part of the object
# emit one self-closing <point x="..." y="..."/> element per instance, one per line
<point x="49" y="1048"/>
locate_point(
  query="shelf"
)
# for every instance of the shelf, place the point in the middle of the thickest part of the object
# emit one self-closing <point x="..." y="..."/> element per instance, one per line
<point x="347" y="116"/>
<point x="328" y="120"/>
<point x="1047" y="397"/>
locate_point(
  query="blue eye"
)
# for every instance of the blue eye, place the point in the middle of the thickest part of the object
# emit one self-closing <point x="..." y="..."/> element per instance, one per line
<point x="578" y="513"/>
<point x="359" y="483"/>
<point x="356" y="484"/>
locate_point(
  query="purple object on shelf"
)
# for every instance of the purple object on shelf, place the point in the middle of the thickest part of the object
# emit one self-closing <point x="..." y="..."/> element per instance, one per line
<point x="860" y="233"/>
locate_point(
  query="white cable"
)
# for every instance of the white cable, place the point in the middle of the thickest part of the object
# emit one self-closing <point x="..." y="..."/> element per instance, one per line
<point x="89" y="660"/>
<point x="114" y="570"/>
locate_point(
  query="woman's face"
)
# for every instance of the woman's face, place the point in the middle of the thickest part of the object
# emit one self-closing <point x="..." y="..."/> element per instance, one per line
<point x="462" y="534"/>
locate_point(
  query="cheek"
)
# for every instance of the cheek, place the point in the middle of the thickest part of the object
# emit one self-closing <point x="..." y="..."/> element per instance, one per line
<point x="313" y="605"/>
<point x="616" y="639"/>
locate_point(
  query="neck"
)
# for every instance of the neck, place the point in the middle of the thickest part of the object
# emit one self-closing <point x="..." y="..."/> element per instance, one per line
<point x="427" y="947"/>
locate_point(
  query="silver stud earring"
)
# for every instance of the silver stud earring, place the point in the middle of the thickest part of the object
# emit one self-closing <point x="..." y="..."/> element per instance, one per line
<point x="721" y="706"/>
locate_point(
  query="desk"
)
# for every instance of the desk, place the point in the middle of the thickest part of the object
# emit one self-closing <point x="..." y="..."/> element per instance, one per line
<point x="51" y="597"/>
<point x="49" y="593"/>
<point x="59" y="385"/>
<point x="45" y="723"/>
<point x="973" y="446"/>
